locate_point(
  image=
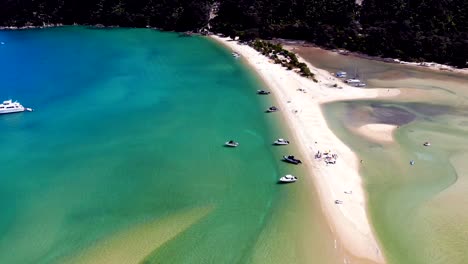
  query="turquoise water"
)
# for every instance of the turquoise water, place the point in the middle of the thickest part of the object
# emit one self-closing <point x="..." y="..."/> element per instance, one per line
<point x="123" y="159"/>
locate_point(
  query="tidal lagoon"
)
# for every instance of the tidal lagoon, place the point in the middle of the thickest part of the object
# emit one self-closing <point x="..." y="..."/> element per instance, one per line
<point x="123" y="159"/>
<point x="418" y="211"/>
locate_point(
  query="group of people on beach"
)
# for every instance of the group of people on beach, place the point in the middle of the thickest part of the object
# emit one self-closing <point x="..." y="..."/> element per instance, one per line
<point x="328" y="156"/>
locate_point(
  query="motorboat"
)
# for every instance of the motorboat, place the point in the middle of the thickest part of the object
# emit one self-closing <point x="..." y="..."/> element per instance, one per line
<point x="235" y="55"/>
<point x="341" y="74"/>
<point x="281" y="141"/>
<point x="231" y="144"/>
<point x="291" y="159"/>
<point x="272" y="109"/>
<point x="8" y="107"/>
<point x="359" y="85"/>
<point x="288" y="179"/>
<point x="427" y="144"/>
<point x="262" y="92"/>
<point x="411" y="162"/>
<point x="353" y="81"/>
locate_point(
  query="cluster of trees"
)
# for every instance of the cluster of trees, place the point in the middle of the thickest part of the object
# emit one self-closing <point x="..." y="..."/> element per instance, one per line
<point x="435" y="30"/>
<point x="281" y="56"/>
<point x="181" y="15"/>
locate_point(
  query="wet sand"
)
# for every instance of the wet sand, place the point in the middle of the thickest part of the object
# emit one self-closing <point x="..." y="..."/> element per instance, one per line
<point x="378" y="132"/>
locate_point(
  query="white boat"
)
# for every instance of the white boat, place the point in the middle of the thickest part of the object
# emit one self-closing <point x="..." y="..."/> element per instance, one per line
<point x="427" y="144"/>
<point x="353" y="81"/>
<point x="359" y="85"/>
<point x="288" y="178"/>
<point x="411" y="162"/>
<point x="9" y="106"/>
<point x="235" y="55"/>
<point x="231" y="143"/>
<point x="341" y="74"/>
<point x="281" y="141"/>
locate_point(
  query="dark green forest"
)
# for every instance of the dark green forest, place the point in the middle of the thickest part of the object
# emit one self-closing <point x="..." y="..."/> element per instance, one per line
<point x="414" y="30"/>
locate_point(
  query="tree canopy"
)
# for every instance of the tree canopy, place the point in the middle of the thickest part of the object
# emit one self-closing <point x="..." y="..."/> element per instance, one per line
<point x="434" y="30"/>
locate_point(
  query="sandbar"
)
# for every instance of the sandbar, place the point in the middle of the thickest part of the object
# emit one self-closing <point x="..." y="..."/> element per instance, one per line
<point x="378" y="132"/>
<point x="299" y="100"/>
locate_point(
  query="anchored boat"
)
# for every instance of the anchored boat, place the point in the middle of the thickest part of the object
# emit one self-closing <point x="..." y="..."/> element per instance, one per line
<point x="291" y="159"/>
<point x="281" y="141"/>
<point x="288" y="179"/>
<point x="231" y="144"/>
<point x="9" y="107"/>
<point x="262" y="92"/>
<point x="272" y="109"/>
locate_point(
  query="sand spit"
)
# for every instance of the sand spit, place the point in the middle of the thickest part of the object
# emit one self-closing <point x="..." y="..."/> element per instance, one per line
<point x="300" y="100"/>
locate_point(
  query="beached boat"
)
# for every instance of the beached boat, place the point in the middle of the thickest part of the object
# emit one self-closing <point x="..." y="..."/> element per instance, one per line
<point x="272" y="109"/>
<point x="291" y="159"/>
<point x="231" y="144"/>
<point x="8" y="107"/>
<point x="288" y="179"/>
<point x="281" y="141"/>
<point x="262" y="92"/>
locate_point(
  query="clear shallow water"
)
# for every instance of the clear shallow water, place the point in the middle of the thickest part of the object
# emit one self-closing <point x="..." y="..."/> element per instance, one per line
<point x="122" y="161"/>
<point x="417" y="211"/>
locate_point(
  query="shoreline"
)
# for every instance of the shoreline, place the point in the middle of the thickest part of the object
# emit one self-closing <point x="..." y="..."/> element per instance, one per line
<point x="434" y="66"/>
<point x="303" y="112"/>
<point x="286" y="42"/>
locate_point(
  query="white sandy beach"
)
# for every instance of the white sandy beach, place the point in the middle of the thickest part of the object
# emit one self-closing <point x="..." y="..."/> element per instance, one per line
<point x="302" y="109"/>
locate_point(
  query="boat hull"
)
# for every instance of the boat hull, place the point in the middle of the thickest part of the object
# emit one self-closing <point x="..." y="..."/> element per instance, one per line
<point x="286" y="182"/>
<point x="12" y="111"/>
<point x="295" y="162"/>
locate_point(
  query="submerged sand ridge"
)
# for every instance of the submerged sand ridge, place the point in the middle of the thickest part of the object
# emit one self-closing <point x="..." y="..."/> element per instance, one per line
<point x="300" y="101"/>
<point x="378" y="132"/>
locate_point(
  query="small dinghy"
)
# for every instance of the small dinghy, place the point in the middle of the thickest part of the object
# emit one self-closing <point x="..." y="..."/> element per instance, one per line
<point x="272" y="109"/>
<point x="288" y="179"/>
<point x="291" y="159"/>
<point x="231" y="144"/>
<point x="427" y="144"/>
<point x="263" y="92"/>
<point x="281" y="141"/>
